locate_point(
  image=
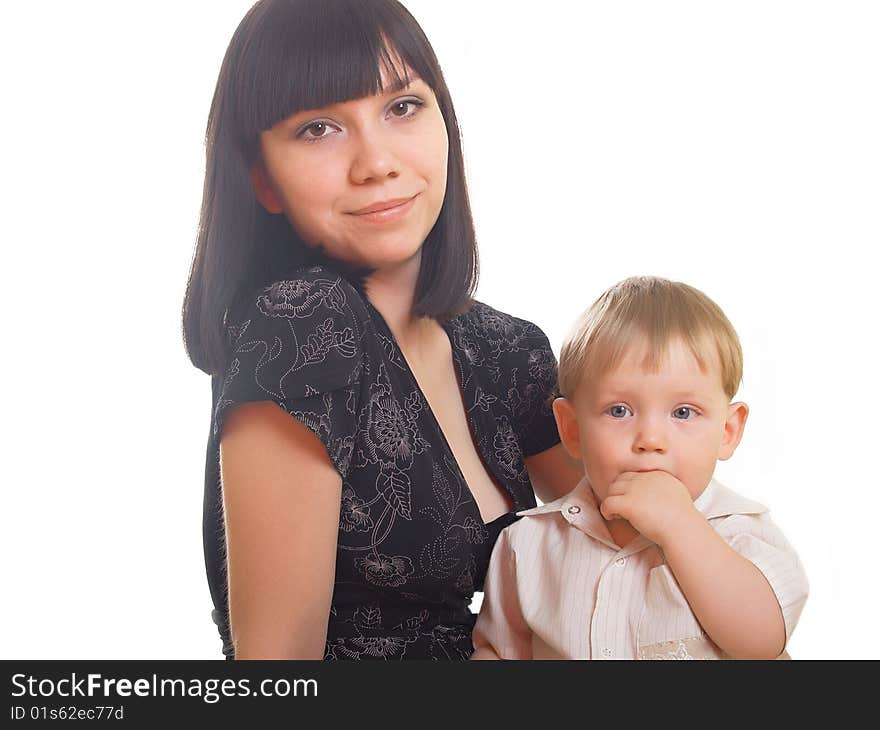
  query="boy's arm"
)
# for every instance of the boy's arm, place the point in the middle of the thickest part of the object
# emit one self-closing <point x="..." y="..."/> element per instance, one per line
<point x="501" y="631"/>
<point x="730" y="596"/>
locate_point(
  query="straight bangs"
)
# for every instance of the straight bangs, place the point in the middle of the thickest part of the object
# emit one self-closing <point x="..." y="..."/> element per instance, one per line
<point x="650" y="313"/>
<point x="320" y="52"/>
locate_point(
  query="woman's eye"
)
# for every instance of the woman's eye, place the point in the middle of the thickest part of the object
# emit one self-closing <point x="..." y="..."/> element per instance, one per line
<point x="405" y="107"/>
<point x="315" y="131"/>
<point x="619" y="412"/>
<point x="683" y="413"/>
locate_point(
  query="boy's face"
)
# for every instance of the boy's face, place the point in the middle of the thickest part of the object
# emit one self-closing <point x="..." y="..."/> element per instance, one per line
<point x="678" y="420"/>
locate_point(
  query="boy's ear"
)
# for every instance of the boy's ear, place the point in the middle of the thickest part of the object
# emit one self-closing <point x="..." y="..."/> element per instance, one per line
<point x="263" y="189"/>
<point x="566" y="423"/>
<point x="737" y="413"/>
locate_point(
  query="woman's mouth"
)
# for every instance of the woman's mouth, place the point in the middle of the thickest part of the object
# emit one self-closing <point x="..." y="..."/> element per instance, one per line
<point x="385" y="211"/>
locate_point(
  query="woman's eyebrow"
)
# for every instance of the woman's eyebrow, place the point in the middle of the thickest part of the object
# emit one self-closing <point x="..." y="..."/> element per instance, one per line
<point x="389" y="90"/>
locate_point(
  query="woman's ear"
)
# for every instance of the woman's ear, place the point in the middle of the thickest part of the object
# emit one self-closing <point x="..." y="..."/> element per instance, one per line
<point x="566" y="423"/>
<point x="737" y="413"/>
<point x="263" y="189"/>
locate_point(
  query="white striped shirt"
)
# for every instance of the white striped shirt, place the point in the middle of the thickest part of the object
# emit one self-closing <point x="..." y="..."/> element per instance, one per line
<point x="559" y="587"/>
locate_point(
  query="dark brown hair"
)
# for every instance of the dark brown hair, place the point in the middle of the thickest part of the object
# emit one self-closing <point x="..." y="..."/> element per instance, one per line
<point x="287" y="56"/>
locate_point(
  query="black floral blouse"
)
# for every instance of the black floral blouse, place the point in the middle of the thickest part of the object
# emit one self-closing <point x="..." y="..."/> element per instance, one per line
<point x="412" y="546"/>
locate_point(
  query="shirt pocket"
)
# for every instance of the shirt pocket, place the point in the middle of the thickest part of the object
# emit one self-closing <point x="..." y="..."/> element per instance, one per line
<point x="668" y="628"/>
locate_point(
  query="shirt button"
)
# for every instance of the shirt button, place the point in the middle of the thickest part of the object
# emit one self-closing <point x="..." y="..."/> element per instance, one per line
<point x="621" y="562"/>
<point x="574" y="510"/>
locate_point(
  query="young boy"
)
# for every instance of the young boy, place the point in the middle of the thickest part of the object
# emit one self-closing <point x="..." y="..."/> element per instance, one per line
<point x="648" y="557"/>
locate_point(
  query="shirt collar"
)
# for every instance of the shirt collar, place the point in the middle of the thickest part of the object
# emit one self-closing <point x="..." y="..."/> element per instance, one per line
<point x="719" y="501"/>
<point x="581" y="510"/>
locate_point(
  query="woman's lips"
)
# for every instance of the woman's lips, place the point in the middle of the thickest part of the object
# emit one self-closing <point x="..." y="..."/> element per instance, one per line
<point x="385" y="211"/>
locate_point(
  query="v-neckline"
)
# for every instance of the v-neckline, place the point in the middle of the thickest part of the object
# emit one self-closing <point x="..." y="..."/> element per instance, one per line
<point x="457" y="363"/>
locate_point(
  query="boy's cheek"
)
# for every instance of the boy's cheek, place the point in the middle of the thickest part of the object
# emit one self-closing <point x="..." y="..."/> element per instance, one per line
<point x="696" y="475"/>
<point x="600" y="472"/>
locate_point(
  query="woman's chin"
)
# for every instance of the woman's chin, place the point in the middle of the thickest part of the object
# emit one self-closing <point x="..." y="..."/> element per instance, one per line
<point x="390" y="257"/>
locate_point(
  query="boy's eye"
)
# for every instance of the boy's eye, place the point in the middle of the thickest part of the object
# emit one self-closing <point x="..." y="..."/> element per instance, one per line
<point x="619" y="411"/>
<point x="683" y="413"/>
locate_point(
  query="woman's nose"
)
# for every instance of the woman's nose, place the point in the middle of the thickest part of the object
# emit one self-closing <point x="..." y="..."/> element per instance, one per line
<point x="373" y="160"/>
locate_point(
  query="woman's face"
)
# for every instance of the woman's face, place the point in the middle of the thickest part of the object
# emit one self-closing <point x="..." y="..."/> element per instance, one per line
<point x="365" y="178"/>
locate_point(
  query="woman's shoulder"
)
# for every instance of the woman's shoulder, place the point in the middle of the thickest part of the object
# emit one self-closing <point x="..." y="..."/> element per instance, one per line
<point x="305" y="293"/>
<point x="301" y="334"/>
<point x="298" y="302"/>
<point x="505" y="332"/>
<point x="512" y="357"/>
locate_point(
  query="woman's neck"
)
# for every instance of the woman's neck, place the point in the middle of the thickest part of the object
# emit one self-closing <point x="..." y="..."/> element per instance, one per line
<point x="392" y="291"/>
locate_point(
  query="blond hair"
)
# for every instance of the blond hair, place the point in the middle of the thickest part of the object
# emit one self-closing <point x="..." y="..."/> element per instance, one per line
<point x="657" y="311"/>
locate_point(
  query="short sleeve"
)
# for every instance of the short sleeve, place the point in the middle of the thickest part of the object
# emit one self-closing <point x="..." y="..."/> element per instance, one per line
<point x="531" y="370"/>
<point x="500" y="624"/>
<point x="298" y="343"/>
<point x="760" y="541"/>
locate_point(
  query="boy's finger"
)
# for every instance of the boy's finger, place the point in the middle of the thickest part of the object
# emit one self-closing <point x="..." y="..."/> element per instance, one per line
<point x="621" y="485"/>
<point x="612" y="508"/>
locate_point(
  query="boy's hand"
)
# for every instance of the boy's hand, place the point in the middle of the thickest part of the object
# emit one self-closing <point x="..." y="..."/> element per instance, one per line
<point x="654" y="502"/>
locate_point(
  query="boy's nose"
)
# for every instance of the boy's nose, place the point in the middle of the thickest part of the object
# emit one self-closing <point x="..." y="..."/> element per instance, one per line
<point x="651" y="445"/>
<point x="650" y="439"/>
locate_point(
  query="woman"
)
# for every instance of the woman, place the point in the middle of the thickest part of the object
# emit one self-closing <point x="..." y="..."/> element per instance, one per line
<point x="375" y="428"/>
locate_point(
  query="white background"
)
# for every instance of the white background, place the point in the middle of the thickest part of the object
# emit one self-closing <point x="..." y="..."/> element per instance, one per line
<point x="733" y="146"/>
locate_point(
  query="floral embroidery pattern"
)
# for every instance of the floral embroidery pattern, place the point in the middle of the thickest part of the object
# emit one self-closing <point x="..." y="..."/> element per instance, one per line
<point x="383" y="570"/>
<point x="390" y="428"/>
<point x="325" y="339"/>
<point x="354" y="513"/>
<point x="468" y="347"/>
<point x="436" y="642"/>
<point x="542" y="365"/>
<point x="507" y="450"/>
<point x="299" y="298"/>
